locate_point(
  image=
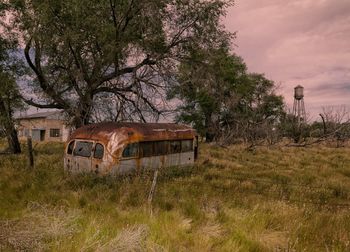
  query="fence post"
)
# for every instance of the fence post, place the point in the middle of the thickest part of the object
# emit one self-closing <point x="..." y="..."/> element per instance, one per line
<point x="151" y="192"/>
<point x="30" y="152"/>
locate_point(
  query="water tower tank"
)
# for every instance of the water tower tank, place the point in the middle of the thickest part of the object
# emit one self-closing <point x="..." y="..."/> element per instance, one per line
<point x="298" y="92"/>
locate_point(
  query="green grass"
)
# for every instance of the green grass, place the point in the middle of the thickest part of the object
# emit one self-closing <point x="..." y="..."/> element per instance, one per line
<point x="277" y="199"/>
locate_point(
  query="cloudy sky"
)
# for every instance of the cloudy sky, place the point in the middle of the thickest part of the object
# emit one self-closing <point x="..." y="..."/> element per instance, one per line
<point x="293" y="42"/>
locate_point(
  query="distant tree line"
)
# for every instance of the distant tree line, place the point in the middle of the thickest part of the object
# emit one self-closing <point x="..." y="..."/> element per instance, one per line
<point x="333" y="126"/>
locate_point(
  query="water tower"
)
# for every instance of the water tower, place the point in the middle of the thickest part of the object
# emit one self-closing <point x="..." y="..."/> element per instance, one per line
<point x="298" y="106"/>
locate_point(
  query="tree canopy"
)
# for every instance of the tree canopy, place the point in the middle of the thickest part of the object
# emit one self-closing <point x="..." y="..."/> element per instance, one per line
<point x="81" y="50"/>
<point x="221" y="97"/>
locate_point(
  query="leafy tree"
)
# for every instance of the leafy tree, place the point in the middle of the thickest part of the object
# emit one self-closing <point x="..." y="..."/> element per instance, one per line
<point x="207" y="87"/>
<point x="257" y="99"/>
<point x="219" y="95"/>
<point x="81" y="50"/>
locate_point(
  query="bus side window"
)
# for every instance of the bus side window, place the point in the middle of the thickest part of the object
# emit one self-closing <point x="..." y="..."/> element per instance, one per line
<point x="175" y="147"/>
<point x="187" y="145"/>
<point x="131" y="150"/>
<point x="99" y="151"/>
<point x="70" y="148"/>
<point x="146" y="149"/>
<point x="160" y="148"/>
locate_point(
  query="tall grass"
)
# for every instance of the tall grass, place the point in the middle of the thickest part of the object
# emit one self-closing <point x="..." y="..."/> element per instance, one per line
<point x="279" y="199"/>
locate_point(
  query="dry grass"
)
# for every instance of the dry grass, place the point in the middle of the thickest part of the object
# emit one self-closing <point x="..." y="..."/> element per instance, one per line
<point x="129" y="239"/>
<point x="277" y="199"/>
<point x="38" y="225"/>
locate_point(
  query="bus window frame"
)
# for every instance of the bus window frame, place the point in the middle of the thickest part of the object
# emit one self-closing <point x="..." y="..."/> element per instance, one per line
<point x="170" y="146"/>
<point x="84" y="140"/>
<point x="193" y="145"/>
<point x="72" y="141"/>
<point x="139" y="148"/>
<point x="155" y="148"/>
<point x="133" y="157"/>
<point x="94" y="149"/>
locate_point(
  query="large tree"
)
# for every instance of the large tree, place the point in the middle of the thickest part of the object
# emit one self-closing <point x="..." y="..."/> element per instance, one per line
<point x="218" y="96"/>
<point x="206" y="85"/>
<point x="80" y="50"/>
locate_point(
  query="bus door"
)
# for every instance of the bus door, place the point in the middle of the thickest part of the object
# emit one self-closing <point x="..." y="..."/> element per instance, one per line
<point x="82" y="156"/>
<point x="68" y="157"/>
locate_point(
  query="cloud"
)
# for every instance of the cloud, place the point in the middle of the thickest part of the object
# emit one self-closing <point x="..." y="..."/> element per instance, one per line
<point x="295" y="42"/>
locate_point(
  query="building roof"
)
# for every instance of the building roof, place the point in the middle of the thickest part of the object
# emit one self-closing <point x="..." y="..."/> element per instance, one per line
<point x="47" y="114"/>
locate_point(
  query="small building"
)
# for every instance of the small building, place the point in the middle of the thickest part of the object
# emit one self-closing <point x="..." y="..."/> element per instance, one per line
<point x="44" y="126"/>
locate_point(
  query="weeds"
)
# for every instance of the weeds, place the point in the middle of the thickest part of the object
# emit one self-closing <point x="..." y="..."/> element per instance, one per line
<point x="279" y="199"/>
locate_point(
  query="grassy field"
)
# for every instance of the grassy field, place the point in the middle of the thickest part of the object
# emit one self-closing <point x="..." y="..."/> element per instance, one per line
<point x="277" y="199"/>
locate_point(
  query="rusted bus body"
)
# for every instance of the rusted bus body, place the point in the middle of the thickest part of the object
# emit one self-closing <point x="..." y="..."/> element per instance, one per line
<point x="123" y="148"/>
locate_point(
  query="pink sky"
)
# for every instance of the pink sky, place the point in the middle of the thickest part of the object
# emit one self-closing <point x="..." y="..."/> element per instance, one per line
<point x="293" y="42"/>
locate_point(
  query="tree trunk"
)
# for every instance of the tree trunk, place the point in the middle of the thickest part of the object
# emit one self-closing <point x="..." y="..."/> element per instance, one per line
<point x="13" y="142"/>
<point x="324" y="124"/>
<point x="211" y="128"/>
<point x="81" y="116"/>
<point x="10" y="130"/>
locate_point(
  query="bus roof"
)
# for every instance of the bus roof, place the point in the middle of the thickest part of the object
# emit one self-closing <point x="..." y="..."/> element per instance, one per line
<point x="133" y="132"/>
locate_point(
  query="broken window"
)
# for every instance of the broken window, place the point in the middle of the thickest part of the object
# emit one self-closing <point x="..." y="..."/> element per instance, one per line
<point x="83" y="149"/>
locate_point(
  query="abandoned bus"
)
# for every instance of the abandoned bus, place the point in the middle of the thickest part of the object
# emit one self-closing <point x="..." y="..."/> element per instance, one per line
<point x="123" y="148"/>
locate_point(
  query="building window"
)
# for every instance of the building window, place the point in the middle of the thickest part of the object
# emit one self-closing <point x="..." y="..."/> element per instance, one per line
<point x="131" y="150"/>
<point x="54" y="132"/>
<point x="99" y="150"/>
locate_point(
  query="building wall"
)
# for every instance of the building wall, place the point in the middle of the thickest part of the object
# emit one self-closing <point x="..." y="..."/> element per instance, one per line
<point x="43" y="124"/>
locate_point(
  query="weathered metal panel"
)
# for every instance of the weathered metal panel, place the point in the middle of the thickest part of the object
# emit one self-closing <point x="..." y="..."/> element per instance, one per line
<point x="173" y="160"/>
<point x="115" y="136"/>
<point x="81" y="164"/>
<point x="187" y="158"/>
<point x="68" y="163"/>
<point x="127" y="166"/>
